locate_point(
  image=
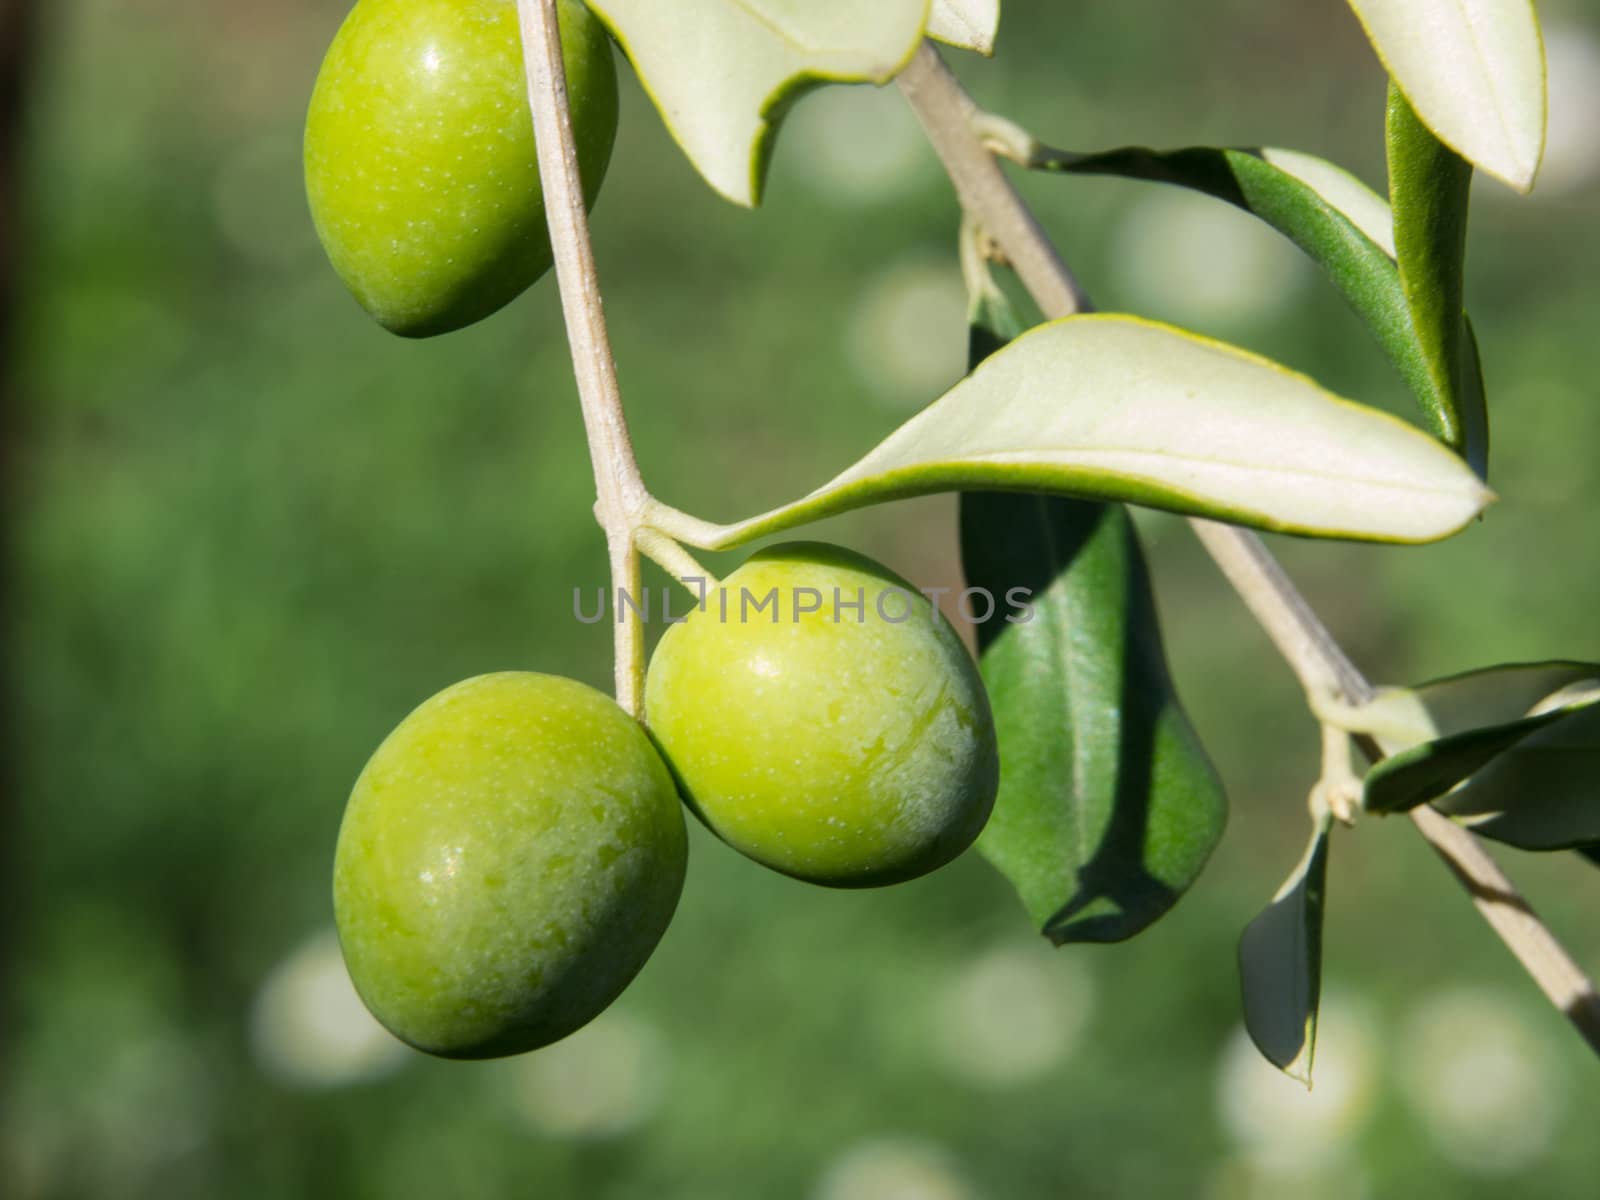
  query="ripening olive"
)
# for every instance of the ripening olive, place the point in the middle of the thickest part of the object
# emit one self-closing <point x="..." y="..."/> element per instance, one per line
<point x="509" y="858"/>
<point x="419" y="155"/>
<point x="823" y="718"/>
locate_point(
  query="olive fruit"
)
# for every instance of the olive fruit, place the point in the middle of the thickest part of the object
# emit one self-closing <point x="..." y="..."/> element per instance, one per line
<point x="419" y="155"/>
<point x="825" y="720"/>
<point x="509" y="858"/>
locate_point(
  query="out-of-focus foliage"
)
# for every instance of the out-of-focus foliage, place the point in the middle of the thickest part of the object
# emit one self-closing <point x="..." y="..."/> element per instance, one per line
<point x="255" y="530"/>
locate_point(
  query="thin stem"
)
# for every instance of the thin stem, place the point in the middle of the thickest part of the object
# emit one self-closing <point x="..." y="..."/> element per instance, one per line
<point x="674" y="560"/>
<point x="1561" y="979"/>
<point x="1317" y="659"/>
<point x="620" y="491"/>
<point x="948" y="115"/>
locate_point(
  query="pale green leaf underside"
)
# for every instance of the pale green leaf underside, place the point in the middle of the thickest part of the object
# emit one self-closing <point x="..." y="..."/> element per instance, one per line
<point x="722" y="72"/>
<point x="1474" y="72"/>
<point x="966" y="24"/>
<point x="1280" y="965"/>
<point x="1112" y="407"/>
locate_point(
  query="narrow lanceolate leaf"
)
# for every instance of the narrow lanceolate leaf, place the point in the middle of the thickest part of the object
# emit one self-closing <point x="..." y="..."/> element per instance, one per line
<point x="1280" y="965"/>
<point x="1113" y="407"/>
<point x="969" y="24"/>
<point x="1426" y="772"/>
<point x="722" y="73"/>
<point x="1108" y="805"/>
<point x="1428" y="190"/>
<point x="1474" y="72"/>
<point x="1542" y="793"/>
<point x="1340" y="223"/>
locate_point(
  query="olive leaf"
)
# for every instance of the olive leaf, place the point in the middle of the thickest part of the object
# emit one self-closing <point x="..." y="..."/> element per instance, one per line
<point x="723" y="73"/>
<point x="967" y="24"/>
<point x="1280" y="964"/>
<point x="1112" y="407"/>
<point x="1543" y="793"/>
<point x="1474" y="72"/>
<point x="1108" y="806"/>
<point x="1428" y="191"/>
<point x="1344" y="227"/>
<point x="1426" y="772"/>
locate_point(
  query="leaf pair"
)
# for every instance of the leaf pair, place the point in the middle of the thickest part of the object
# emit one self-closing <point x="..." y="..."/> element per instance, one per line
<point x="1531" y="780"/>
<point x="1525" y="738"/>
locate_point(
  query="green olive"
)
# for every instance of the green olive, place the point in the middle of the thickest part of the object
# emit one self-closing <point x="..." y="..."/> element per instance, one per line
<point x="509" y="859"/>
<point x="838" y="733"/>
<point x="419" y="155"/>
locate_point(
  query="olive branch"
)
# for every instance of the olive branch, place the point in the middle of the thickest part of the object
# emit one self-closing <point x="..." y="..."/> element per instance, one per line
<point x="633" y="522"/>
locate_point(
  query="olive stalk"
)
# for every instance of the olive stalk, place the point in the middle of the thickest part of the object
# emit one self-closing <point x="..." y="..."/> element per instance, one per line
<point x="952" y="121"/>
<point x="620" y="491"/>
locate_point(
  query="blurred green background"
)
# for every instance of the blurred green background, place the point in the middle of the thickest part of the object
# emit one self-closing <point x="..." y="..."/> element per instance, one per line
<point x="251" y="531"/>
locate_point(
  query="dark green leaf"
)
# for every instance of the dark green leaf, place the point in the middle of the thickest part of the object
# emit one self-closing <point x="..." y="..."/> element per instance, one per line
<point x="1426" y="772"/>
<point x="1544" y="792"/>
<point x="1429" y="185"/>
<point x="1280" y="965"/>
<point x="1339" y="223"/>
<point x="1108" y="805"/>
<point x="1591" y="852"/>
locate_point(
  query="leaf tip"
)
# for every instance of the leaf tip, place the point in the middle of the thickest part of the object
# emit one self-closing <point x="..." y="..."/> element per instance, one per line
<point x="1519" y="176"/>
<point x="965" y="24"/>
<point x="1483" y="496"/>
